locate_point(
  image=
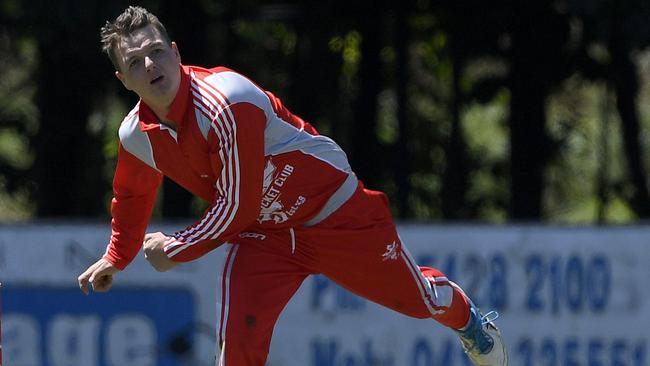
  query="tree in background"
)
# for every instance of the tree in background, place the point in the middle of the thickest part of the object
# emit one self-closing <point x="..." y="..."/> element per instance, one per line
<point x="450" y="107"/>
<point x="623" y="30"/>
<point x="67" y="146"/>
<point x="18" y="116"/>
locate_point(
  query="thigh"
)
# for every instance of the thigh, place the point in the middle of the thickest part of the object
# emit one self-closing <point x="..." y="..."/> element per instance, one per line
<point x="377" y="266"/>
<point x="359" y="248"/>
<point x="258" y="281"/>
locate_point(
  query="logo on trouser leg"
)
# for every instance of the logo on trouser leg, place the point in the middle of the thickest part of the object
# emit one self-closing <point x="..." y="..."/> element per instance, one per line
<point x="392" y="252"/>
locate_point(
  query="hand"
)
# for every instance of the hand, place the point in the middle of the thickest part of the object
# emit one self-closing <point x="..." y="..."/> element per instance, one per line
<point x="154" y="252"/>
<point x="99" y="275"/>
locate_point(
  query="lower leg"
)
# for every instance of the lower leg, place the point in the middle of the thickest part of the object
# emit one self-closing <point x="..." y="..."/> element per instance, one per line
<point x="258" y="281"/>
<point x="452" y="306"/>
<point x="481" y="339"/>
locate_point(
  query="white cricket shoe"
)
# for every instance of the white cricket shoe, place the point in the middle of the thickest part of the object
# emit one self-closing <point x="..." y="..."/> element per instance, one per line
<point x="482" y="340"/>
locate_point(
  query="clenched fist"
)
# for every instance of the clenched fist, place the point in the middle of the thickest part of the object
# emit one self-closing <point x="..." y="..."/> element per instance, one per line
<point x="153" y="247"/>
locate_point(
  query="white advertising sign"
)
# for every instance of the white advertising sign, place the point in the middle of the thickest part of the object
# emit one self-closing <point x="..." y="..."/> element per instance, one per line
<point x="566" y="296"/>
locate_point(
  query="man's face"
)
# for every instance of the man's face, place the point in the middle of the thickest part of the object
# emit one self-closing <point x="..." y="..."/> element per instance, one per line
<point x="149" y="66"/>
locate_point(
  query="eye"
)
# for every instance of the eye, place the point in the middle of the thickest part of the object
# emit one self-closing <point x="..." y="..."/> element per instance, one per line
<point x="133" y="63"/>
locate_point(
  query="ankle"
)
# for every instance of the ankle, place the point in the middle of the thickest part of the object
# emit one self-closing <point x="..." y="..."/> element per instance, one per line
<point x="472" y="320"/>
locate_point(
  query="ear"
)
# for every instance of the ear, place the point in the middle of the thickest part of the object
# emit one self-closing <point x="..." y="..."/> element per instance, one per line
<point x="178" y="54"/>
<point x="121" y="77"/>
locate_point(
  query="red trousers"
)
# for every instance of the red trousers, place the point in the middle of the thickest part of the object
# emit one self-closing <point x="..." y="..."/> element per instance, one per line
<point x="357" y="247"/>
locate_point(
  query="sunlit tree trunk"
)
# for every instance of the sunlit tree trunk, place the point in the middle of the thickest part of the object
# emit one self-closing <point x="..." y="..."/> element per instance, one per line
<point x="626" y="86"/>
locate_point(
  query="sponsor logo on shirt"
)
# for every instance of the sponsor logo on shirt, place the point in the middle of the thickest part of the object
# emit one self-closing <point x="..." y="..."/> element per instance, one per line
<point x="392" y="252"/>
<point x="273" y="209"/>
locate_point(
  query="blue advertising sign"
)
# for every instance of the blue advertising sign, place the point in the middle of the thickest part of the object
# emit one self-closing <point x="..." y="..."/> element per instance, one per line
<point x="57" y="326"/>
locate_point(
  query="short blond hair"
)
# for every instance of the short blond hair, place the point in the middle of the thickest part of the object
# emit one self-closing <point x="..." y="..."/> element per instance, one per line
<point x="132" y="18"/>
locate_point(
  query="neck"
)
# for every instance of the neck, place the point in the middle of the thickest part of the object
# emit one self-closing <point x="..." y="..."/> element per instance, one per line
<point x="160" y="111"/>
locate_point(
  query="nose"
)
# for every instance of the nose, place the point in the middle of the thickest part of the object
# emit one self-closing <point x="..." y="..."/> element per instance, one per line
<point x="148" y="62"/>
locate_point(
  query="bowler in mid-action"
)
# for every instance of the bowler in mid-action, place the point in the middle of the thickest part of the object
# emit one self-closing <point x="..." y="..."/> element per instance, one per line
<point x="283" y="198"/>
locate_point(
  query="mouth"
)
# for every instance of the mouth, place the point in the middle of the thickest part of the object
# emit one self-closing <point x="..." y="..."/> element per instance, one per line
<point x="156" y="80"/>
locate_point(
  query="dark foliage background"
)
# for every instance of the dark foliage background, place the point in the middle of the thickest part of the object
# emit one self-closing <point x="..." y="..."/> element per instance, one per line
<point x="500" y="111"/>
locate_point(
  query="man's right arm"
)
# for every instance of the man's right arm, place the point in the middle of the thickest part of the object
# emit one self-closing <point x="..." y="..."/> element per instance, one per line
<point x="135" y="187"/>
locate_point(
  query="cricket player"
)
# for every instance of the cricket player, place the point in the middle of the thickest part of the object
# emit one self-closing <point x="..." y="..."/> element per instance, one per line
<point x="282" y="198"/>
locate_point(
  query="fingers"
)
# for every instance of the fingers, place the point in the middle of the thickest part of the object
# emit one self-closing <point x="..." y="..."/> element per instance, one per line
<point x="83" y="282"/>
<point x="99" y="276"/>
<point x="151" y="240"/>
<point x="153" y="246"/>
<point x="147" y="249"/>
<point x="86" y="278"/>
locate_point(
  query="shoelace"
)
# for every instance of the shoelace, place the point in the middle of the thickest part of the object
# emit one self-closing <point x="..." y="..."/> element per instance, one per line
<point x="489" y="317"/>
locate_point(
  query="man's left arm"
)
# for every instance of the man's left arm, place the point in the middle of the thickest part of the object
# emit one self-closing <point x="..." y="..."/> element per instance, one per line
<point x="236" y="139"/>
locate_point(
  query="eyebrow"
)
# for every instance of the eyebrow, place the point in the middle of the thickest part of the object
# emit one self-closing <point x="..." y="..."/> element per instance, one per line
<point x="146" y="47"/>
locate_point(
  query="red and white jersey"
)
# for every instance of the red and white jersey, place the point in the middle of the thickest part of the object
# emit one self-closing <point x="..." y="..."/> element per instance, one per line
<point x="237" y="147"/>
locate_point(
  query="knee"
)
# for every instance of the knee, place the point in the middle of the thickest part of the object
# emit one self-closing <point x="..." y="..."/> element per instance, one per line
<point x="248" y="331"/>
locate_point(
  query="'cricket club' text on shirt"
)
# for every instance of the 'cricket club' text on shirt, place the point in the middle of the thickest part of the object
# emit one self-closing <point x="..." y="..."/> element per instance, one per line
<point x="272" y="208"/>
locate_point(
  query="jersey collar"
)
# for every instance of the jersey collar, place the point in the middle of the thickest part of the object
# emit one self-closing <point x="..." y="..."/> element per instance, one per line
<point x="177" y="109"/>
